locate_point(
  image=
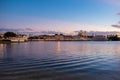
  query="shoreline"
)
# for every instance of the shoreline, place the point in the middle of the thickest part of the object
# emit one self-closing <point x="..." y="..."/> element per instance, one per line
<point x="6" y="42"/>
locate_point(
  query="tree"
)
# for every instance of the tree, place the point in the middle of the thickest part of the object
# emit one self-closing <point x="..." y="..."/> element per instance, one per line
<point x="9" y="34"/>
<point x="113" y="38"/>
<point x="82" y="33"/>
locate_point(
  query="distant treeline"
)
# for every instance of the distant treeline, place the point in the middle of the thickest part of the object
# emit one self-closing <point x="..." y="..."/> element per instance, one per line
<point x="113" y="38"/>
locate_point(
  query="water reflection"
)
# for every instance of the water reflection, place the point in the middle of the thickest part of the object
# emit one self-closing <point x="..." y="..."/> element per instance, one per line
<point x="6" y="51"/>
<point x="2" y="51"/>
<point x="58" y="46"/>
<point x="65" y="60"/>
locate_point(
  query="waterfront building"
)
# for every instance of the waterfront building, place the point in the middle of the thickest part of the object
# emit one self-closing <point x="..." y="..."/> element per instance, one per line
<point x="118" y="35"/>
<point x="18" y="38"/>
<point x="100" y="38"/>
<point x="1" y="36"/>
<point x="68" y="37"/>
<point x="59" y="37"/>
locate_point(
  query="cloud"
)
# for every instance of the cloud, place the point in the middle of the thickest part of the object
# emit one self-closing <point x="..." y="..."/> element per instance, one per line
<point x="113" y="2"/>
<point x="118" y="22"/>
<point x="100" y="32"/>
<point x="51" y="32"/>
<point x="15" y="30"/>
<point x="118" y="14"/>
<point x="116" y="26"/>
<point x="8" y="29"/>
<point x="29" y="29"/>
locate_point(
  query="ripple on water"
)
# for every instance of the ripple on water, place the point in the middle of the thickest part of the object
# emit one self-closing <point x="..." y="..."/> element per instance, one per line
<point x="61" y="65"/>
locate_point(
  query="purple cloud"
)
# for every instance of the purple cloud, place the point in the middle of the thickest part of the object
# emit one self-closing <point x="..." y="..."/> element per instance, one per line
<point x="100" y="32"/>
<point x="15" y="30"/>
<point x="118" y="14"/>
<point x="29" y="29"/>
<point x="10" y="29"/>
<point x="51" y="32"/>
<point x="113" y="2"/>
<point x="116" y="26"/>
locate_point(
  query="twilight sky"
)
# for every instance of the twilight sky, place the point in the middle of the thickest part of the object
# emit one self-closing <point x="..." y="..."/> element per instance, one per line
<point x="60" y="15"/>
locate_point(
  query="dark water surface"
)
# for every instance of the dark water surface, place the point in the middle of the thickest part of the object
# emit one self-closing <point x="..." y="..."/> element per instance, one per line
<point x="60" y="61"/>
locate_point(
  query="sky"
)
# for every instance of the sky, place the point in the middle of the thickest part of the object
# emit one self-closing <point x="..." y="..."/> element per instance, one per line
<point x="60" y="15"/>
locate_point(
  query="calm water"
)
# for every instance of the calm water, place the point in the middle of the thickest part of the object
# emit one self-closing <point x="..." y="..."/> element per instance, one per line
<point x="60" y="61"/>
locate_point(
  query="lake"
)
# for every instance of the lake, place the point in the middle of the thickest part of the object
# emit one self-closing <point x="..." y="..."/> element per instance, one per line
<point x="65" y="60"/>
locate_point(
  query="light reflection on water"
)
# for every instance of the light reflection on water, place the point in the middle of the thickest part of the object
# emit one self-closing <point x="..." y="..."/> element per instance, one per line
<point x="60" y="61"/>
